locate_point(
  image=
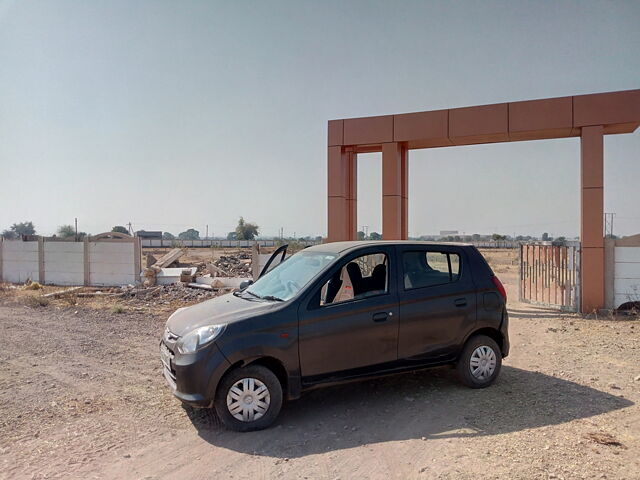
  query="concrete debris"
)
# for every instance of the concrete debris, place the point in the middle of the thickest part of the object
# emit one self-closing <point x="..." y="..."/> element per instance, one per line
<point x="151" y="260"/>
<point x="233" y="266"/>
<point x="167" y="259"/>
<point x="167" y="276"/>
<point x="61" y="293"/>
<point x="200" y="285"/>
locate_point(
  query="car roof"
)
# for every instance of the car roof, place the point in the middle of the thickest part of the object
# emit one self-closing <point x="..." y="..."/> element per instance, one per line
<point x="340" y="247"/>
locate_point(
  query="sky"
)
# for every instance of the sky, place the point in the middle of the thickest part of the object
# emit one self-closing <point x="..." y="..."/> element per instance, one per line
<point x="172" y="115"/>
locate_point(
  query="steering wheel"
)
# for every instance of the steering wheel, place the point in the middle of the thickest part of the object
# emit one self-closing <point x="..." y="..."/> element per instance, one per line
<point x="292" y="286"/>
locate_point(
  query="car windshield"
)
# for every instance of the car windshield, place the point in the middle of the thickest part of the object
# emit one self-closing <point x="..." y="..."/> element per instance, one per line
<point x="289" y="277"/>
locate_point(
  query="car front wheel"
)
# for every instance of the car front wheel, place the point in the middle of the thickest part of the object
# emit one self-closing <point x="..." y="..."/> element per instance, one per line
<point x="249" y="398"/>
<point x="480" y="362"/>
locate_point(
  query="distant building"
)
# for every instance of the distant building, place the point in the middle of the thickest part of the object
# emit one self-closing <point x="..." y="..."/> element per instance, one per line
<point x="446" y="233"/>
<point x="154" y="235"/>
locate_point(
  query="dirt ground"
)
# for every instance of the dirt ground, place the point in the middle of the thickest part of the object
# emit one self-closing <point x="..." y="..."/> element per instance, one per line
<point x="82" y="396"/>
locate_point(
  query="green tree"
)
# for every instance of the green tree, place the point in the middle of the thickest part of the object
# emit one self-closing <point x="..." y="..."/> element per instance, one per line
<point x="375" y="236"/>
<point x="232" y="236"/>
<point x="246" y="230"/>
<point x="120" y="229"/>
<point x="67" y="231"/>
<point x="168" y="236"/>
<point x="18" y="229"/>
<point x="361" y="235"/>
<point x="191" y="234"/>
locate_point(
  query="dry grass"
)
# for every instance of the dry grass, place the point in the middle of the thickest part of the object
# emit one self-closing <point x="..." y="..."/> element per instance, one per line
<point x="33" y="286"/>
<point x="118" y="309"/>
<point x="36" y="301"/>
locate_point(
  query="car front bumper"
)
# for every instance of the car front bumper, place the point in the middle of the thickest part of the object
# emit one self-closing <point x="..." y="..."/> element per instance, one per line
<point x="193" y="377"/>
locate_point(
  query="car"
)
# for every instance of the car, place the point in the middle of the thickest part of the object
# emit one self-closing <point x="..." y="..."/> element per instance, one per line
<point x="332" y="313"/>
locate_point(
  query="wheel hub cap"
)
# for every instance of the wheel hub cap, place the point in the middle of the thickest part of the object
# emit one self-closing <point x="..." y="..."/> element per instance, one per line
<point x="248" y="399"/>
<point x="483" y="362"/>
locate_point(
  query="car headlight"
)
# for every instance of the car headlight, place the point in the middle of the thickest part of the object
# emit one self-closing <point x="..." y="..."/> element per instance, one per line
<point x="198" y="338"/>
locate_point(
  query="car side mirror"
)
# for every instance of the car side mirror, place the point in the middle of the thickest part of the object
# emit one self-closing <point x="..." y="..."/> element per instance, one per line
<point x="245" y="284"/>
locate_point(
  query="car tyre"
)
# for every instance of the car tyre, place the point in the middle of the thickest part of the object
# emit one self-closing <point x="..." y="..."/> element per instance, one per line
<point x="480" y="362"/>
<point x="248" y="398"/>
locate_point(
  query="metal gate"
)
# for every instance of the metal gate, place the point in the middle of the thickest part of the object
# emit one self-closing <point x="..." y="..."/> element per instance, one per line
<point x="550" y="275"/>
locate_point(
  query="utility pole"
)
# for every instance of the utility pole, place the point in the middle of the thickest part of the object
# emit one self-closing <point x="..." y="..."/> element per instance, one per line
<point x="608" y="224"/>
<point x="207" y="234"/>
<point x="130" y="229"/>
<point x="76" y="221"/>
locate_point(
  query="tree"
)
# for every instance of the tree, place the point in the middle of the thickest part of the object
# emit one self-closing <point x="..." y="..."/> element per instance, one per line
<point x="168" y="236"/>
<point x="120" y="229"/>
<point x="375" y="236"/>
<point x="496" y="237"/>
<point x="9" y="234"/>
<point x="361" y="235"/>
<point x="18" y="229"/>
<point x="246" y="230"/>
<point x="67" y="231"/>
<point x="191" y="234"/>
<point x="561" y="239"/>
<point x="232" y="236"/>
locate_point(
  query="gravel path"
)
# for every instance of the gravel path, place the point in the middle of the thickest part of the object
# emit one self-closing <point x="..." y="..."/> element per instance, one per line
<point x="82" y="396"/>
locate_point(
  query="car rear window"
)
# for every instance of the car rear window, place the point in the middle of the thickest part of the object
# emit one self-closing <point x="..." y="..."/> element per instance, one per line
<point x="427" y="269"/>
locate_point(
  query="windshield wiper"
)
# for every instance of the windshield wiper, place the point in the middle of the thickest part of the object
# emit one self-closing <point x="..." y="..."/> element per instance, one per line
<point x="272" y="298"/>
<point x="239" y="294"/>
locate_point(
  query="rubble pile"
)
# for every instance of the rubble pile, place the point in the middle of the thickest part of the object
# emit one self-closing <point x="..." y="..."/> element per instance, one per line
<point x="175" y="291"/>
<point x="238" y="265"/>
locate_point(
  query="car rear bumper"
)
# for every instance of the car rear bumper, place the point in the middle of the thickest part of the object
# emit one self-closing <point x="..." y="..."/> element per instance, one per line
<point x="193" y="378"/>
<point x="504" y="330"/>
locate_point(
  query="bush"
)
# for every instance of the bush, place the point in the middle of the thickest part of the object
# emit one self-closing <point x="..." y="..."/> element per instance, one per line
<point x="118" y="309"/>
<point x="33" y="286"/>
<point x="34" y="302"/>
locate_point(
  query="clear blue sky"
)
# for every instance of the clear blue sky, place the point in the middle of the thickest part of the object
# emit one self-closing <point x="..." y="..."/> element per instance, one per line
<point x="180" y="114"/>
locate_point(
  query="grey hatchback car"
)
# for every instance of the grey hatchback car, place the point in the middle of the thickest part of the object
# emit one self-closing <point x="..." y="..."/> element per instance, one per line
<point x="336" y="312"/>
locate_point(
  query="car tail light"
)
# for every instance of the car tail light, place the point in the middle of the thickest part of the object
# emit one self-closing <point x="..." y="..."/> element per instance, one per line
<point x="500" y="287"/>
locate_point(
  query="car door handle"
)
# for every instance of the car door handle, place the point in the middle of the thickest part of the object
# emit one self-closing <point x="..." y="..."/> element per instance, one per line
<point x="460" y="302"/>
<point x="381" y="316"/>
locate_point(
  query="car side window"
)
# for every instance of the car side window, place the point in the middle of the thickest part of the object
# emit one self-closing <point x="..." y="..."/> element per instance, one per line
<point x="361" y="277"/>
<point x="427" y="269"/>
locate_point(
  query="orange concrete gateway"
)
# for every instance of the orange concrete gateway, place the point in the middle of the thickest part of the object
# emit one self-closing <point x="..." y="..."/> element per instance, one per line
<point x="586" y="116"/>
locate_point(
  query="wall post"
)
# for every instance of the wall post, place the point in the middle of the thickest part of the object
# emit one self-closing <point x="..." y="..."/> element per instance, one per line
<point x="41" y="276"/>
<point x="85" y="262"/>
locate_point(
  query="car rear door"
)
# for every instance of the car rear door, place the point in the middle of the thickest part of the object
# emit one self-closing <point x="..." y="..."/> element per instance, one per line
<point x="352" y="333"/>
<point x="437" y="301"/>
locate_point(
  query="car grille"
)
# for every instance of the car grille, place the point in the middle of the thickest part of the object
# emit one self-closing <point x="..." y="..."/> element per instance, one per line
<point x="166" y="357"/>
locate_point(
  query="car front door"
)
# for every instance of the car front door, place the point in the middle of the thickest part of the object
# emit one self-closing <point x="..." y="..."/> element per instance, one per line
<point x="350" y="321"/>
<point x="437" y="302"/>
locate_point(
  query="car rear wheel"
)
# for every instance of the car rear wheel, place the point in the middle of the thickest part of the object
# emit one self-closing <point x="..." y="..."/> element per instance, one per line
<point x="249" y="398"/>
<point x="480" y="362"/>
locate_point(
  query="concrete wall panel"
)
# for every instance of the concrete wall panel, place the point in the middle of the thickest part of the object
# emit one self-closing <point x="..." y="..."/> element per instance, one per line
<point x="107" y="279"/>
<point x="627" y="254"/>
<point x="20" y="261"/>
<point x="111" y="247"/>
